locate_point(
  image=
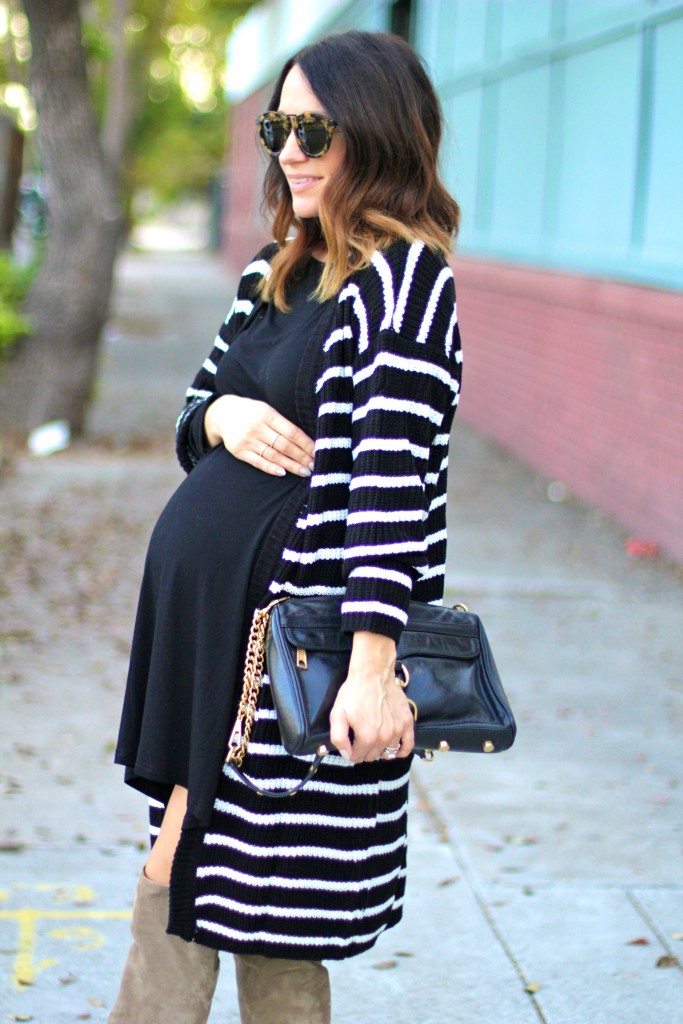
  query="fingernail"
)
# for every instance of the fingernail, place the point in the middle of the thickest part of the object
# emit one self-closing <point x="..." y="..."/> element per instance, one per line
<point x="344" y="754"/>
<point x="310" y="466"/>
<point x="280" y="471"/>
<point x="304" y="471"/>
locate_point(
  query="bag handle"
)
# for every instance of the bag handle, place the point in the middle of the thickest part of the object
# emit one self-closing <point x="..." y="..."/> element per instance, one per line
<point x="290" y="792"/>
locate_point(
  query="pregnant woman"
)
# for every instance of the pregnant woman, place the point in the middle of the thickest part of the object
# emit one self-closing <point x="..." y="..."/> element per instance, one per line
<point x="315" y="438"/>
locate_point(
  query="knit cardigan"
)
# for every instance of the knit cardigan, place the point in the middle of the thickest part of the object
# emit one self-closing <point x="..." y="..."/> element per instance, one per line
<point x="372" y="526"/>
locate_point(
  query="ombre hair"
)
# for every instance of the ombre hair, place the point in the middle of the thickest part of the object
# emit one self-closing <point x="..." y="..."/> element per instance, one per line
<point x="375" y="86"/>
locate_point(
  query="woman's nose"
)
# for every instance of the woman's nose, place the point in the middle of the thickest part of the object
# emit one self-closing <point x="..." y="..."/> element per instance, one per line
<point x="291" y="151"/>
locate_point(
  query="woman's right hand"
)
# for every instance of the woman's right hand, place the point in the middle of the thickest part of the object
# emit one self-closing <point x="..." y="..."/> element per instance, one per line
<point x="256" y="433"/>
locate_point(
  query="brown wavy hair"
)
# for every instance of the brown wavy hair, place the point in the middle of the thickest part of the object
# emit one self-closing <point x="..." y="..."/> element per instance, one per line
<point x="376" y="87"/>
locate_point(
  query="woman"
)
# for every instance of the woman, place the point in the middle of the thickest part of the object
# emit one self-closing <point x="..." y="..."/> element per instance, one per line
<point x="315" y="439"/>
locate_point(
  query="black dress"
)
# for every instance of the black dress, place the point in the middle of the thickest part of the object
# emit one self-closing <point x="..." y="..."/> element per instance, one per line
<point x="198" y="592"/>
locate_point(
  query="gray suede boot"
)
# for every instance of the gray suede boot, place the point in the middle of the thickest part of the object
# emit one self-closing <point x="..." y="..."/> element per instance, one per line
<point x="165" y="980"/>
<point x="274" y="991"/>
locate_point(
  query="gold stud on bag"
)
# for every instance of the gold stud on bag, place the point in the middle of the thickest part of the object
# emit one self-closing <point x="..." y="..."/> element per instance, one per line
<point x="444" y="666"/>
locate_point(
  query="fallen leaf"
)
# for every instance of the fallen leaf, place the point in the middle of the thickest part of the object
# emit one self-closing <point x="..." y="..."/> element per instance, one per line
<point x="96" y="1002"/>
<point x="83" y="1016"/>
<point x="400" y="952"/>
<point x="678" y="936"/>
<point x="68" y="979"/>
<point x="384" y="965"/>
<point x="532" y="988"/>
<point x="10" y="846"/>
<point x="638" y="942"/>
<point x="667" y="961"/>
<point x="19" y="1016"/>
<point x="528" y="891"/>
<point x="447" y="881"/>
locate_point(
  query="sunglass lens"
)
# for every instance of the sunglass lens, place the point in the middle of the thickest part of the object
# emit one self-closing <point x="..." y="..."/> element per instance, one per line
<point x="313" y="136"/>
<point x="274" y="132"/>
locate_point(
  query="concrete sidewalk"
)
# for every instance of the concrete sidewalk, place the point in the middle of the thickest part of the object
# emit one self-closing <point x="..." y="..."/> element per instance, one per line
<point x="545" y="884"/>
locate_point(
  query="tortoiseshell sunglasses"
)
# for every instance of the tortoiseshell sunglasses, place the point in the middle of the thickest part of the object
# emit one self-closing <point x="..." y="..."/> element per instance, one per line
<point x="313" y="132"/>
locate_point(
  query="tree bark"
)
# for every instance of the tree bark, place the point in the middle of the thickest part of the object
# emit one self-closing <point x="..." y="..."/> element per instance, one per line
<point x="51" y="374"/>
<point x="119" y="106"/>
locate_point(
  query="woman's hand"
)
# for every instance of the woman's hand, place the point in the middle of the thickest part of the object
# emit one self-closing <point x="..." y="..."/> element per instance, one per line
<point x="256" y="433"/>
<point x="372" y="704"/>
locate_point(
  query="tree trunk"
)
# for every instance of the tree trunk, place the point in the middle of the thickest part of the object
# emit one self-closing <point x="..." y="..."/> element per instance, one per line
<point x="119" y="106"/>
<point x="51" y="374"/>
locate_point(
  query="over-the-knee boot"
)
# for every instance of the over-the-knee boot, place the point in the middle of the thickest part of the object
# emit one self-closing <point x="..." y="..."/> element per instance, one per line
<point x="275" y="991"/>
<point x="165" y="980"/>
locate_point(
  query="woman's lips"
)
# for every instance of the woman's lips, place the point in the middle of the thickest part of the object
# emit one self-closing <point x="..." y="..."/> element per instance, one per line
<point x="301" y="184"/>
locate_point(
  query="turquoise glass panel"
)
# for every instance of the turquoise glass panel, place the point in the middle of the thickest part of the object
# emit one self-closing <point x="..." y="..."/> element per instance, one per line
<point x="461" y="156"/>
<point x="664" y="212"/>
<point x="599" y="137"/>
<point x="469" y="44"/>
<point x="520" y="159"/>
<point x="525" y="24"/>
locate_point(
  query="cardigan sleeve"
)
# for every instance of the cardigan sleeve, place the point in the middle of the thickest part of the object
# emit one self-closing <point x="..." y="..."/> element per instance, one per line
<point x="190" y="443"/>
<point x="406" y="382"/>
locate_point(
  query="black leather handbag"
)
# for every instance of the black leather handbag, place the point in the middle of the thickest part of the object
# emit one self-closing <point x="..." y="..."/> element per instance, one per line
<point x="444" y="664"/>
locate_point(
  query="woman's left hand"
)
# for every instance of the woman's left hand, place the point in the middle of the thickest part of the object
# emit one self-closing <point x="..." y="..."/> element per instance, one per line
<point x="372" y="705"/>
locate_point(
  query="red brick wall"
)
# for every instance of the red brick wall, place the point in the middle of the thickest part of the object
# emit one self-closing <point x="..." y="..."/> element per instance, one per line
<point x="583" y="379"/>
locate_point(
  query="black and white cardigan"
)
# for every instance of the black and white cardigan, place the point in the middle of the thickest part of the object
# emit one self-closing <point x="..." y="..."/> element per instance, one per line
<point x="373" y="526"/>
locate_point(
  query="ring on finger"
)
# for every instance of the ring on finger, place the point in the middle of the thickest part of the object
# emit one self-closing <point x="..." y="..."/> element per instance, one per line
<point x="272" y="443"/>
<point x="265" y="448"/>
<point x="391" y="752"/>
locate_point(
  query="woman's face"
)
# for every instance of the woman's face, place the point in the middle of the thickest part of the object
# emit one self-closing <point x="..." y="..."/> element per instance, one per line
<point x="307" y="176"/>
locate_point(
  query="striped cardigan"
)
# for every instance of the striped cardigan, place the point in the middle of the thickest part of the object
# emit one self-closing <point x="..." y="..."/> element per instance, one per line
<point x="322" y="876"/>
<point x="373" y="526"/>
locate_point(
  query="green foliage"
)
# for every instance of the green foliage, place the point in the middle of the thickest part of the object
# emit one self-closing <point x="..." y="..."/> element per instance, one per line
<point x="176" y="108"/>
<point x="14" y="283"/>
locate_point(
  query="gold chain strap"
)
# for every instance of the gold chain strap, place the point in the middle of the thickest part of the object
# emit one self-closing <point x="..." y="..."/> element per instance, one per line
<point x="251" y="685"/>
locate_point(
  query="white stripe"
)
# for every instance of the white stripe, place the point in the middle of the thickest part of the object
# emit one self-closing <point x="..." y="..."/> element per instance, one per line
<point x="434" y="538"/>
<point x="300" y="913"/>
<point x="292" y="818"/>
<point x="334" y="371"/>
<point x="425" y="327"/>
<point x="332" y="515"/>
<point x="353" y="291"/>
<point x="436" y="570"/>
<point x="155" y="803"/>
<point x="330" y="408"/>
<point x="320" y="852"/>
<point x="438" y="502"/>
<point x="325" y="443"/>
<point x="399" y="548"/>
<point x="384" y="270"/>
<point x="209" y="366"/>
<point x="410" y="365"/>
<point x="340" y="334"/>
<point x="376" y="573"/>
<point x="290" y="940"/>
<point x="197" y="393"/>
<point x="390" y="444"/>
<point x="243" y="306"/>
<point x="221" y="345"/>
<point x="375" y="480"/>
<point x="458" y="356"/>
<point x="431" y="478"/>
<point x="154" y="830"/>
<point x="320" y="591"/>
<point x="265" y="713"/>
<point x="306" y="557"/>
<point x="411" y="262"/>
<point x="408" y="515"/>
<point x="440" y="439"/>
<point x="325" y="479"/>
<point x="316" y="884"/>
<point x="349" y="607"/>
<point x="261" y="267"/>
<point x="398" y="405"/>
<point x="451" y="329"/>
<point x="342" y="789"/>
<point x="437" y="601"/>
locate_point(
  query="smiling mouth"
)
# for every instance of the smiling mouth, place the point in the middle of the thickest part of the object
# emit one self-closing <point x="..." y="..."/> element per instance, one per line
<point x="297" y="184"/>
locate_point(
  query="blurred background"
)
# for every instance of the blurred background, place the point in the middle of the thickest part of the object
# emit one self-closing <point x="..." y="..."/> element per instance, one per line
<point x="564" y="147"/>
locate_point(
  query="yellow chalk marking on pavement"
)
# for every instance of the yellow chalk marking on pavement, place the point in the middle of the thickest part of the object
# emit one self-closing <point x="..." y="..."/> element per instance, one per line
<point x="25" y="968"/>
